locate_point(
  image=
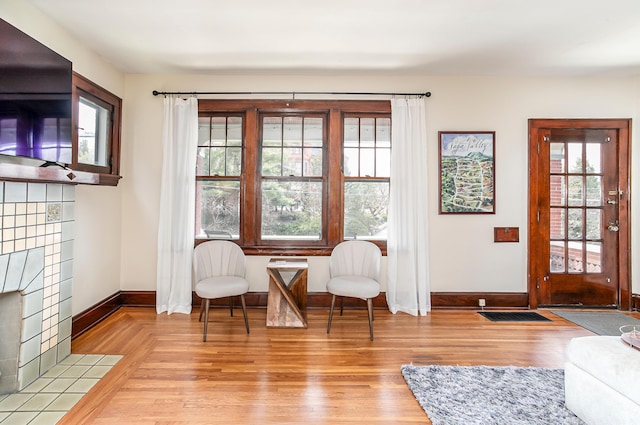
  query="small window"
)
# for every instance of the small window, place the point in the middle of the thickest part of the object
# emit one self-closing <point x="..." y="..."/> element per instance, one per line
<point x="96" y="130"/>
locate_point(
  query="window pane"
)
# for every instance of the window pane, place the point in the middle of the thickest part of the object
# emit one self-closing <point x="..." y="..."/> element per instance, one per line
<point x="575" y="158"/>
<point x="93" y="133"/>
<point x="367" y="163"/>
<point x="557" y="257"/>
<point x="312" y="162"/>
<point x="202" y="162"/>
<point x="594" y="223"/>
<point x="576" y="226"/>
<point x="291" y="210"/>
<point x="293" y="131"/>
<point x="575" y="191"/>
<point x="594" y="191"/>
<point x="557" y="191"/>
<point x="594" y="257"/>
<point x="594" y="162"/>
<point x="351" y="132"/>
<point x="218" y="212"/>
<point x="218" y="131"/>
<point x="292" y="162"/>
<point x="234" y="131"/>
<point x="383" y="162"/>
<point x="351" y="161"/>
<point x="204" y="131"/>
<point x="367" y="132"/>
<point x="557" y="157"/>
<point x="272" y="131"/>
<point x="234" y="161"/>
<point x="576" y="262"/>
<point x="313" y="131"/>
<point x="557" y="223"/>
<point x="271" y="162"/>
<point x="217" y="161"/>
<point x="383" y="132"/>
<point x="365" y="210"/>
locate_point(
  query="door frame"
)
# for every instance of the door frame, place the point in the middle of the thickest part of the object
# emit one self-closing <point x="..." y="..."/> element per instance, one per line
<point x="535" y="270"/>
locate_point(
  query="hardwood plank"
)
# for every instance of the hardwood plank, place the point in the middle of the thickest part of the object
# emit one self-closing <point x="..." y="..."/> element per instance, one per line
<point x="286" y="376"/>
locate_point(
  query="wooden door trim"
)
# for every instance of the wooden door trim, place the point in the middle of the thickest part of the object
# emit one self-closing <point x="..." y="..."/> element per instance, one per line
<point x="623" y="126"/>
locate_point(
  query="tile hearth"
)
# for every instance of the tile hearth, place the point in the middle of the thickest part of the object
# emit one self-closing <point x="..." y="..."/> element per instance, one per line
<point x="51" y="396"/>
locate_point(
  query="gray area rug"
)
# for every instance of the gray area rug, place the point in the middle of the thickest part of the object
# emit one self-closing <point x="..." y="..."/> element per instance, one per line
<point x="455" y="395"/>
<point x="598" y="322"/>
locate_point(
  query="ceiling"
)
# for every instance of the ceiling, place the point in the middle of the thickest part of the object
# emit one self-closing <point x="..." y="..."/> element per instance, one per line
<point x="390" y="37"/>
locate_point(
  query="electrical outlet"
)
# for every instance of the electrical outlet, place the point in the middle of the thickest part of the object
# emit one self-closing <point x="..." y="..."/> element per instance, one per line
<point x="482" y="302"/>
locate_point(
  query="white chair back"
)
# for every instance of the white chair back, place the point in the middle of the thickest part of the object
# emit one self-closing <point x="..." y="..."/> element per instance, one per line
<point x="356" y="258"/>
<point x="218" y="258"/>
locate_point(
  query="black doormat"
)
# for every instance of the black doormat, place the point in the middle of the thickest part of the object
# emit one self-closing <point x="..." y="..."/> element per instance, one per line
<point x="514" y="316"/>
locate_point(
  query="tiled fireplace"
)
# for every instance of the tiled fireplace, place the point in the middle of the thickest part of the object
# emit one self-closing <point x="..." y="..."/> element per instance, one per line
<point x="36" y="257"/>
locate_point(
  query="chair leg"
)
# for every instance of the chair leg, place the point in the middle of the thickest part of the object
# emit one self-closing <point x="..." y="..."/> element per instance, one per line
<point x="201" y="310"/>
<point x="231" y="306"/>
<point x="341" y="305"/>
<point x="206" y="320"/>
<point x="370" y="309"/>
<point x="244" y="311"/>
<point x="333" y="302"/>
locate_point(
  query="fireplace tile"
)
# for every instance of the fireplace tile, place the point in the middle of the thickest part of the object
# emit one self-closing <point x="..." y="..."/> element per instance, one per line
<point x="14" y="271"/>
<point x="36" y="192"/>
<point x="31" y="326"/>
<point x="38" y="402"/>
<point x="15" y="192"/>
<point x="32" y="302"/>
<point x="30" y="371"/>
<point x="29" y="351"/>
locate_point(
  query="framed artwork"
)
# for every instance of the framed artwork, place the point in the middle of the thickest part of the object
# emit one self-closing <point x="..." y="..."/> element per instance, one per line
<point x="467" y="172"/>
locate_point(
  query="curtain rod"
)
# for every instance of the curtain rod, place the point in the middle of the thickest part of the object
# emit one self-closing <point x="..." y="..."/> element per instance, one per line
<point x="292" y="93"/>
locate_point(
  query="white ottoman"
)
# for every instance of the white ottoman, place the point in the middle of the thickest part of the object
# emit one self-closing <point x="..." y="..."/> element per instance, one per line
<point x="602" y="380"/>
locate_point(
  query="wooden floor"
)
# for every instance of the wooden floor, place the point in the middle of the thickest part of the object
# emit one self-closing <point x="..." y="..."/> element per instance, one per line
<point x="293" y="376"/>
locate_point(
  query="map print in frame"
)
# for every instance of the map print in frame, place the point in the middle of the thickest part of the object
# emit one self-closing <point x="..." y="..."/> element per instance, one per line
<point x="467" y="172"/>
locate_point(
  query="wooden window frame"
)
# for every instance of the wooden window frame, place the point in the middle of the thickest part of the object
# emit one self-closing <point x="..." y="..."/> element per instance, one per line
<point x="333" y="177"/>
<point x="109" y="175"/>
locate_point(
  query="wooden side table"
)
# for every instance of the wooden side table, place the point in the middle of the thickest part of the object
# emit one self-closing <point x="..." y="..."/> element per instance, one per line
<point x="287" y="298"/>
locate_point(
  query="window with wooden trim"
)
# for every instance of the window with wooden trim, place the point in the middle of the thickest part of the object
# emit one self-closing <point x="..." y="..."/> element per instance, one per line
<point x="96" y="130"/>
<point x="270" y="173"/>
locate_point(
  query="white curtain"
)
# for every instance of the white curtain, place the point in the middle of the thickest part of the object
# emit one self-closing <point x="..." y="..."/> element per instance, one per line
<point x="408" y="288"/>
<point x="177" y="205"/>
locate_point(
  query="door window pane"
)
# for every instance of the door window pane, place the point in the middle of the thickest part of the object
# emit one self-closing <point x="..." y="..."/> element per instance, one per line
<point x="594" y="257"/>
<point x="594" y="191"/>
<point x="557" y="158"/>
<point x="558" y="194"/>
<point x="575" y="262"/>
<point x="594" y="158"/>
<point x="557" y="223"/>
<point x="576" y="191"/>
<point x="576" y="225"/>
<point x="575" y="158"/>
<point x="557" y="260"/>
<point x="594" y="223"/>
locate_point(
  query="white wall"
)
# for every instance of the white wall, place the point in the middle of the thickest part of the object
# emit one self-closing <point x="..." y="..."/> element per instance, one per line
<point x="115" y="243"/>
<point x="463" y="254"/>
<point x="97" y="240"/>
